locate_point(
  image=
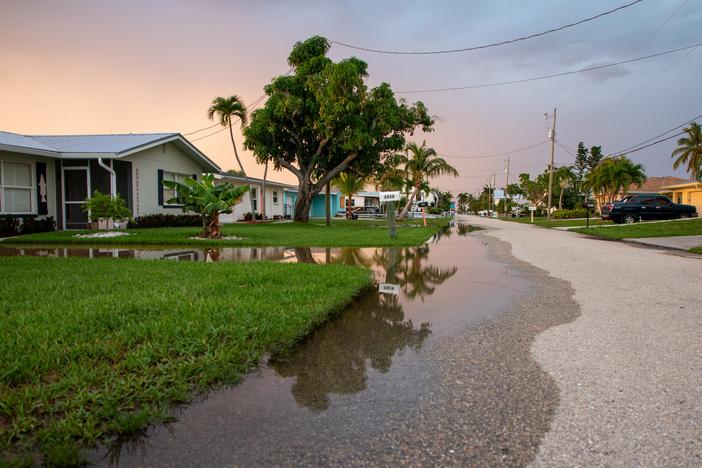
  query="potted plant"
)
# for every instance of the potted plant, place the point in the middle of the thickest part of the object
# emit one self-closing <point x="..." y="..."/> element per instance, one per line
<point x="105" y="212"/>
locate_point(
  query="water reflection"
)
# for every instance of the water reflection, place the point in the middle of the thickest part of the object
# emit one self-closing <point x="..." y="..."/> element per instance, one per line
<point x="336" y="358"/>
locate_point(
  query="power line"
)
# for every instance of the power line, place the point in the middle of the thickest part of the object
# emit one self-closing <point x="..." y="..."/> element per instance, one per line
<point x="650" y="144"/>
<point x="630" y="148"/>
<point x="494" y="155"/>
<point x="485" y="46"/>
<point x="553" y="75"/>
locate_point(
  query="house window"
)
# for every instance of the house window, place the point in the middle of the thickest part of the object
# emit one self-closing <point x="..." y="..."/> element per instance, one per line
<point x="254" y="198"/>
<point x="275" y="197"/>
<point x="172" y="193"/>
<point x="16" y="187"/>
<point x="678" y="197"/>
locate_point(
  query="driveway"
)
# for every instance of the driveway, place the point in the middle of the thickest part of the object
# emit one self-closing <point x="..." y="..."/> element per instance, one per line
<point x="629" y="369"/>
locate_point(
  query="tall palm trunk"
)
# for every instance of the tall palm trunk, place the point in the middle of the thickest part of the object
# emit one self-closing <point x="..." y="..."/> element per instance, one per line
<point x="560" y="199"/>
<point x="263" y="195"/>
<point x="327" y="204"/>
<point x="243" y="172"/>
<point x="410" y="199"/>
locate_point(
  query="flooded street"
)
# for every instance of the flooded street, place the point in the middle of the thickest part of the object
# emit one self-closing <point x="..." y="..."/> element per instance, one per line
<point x="432" y="366"/>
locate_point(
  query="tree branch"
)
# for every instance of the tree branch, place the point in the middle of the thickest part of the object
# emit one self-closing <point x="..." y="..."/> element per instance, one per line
<point x="289" y="167"/>
<point x="334" y="172"/>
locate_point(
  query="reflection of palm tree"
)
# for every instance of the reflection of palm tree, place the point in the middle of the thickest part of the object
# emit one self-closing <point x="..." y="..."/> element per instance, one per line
<point x="418" y="279"/>
<point x="353" y="257"/>
<point x="334" y="360"/>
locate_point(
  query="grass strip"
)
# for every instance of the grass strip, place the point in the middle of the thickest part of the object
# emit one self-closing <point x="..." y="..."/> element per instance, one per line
<point x="92" y="349"/>
<point x="697" y="250"/>
<point x="688" y="227"/>
<point x="543" y="222"/>
<point x="342" y="233"/>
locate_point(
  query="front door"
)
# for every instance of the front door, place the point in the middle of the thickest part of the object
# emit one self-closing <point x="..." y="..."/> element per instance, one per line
<point x="76" y="187"/>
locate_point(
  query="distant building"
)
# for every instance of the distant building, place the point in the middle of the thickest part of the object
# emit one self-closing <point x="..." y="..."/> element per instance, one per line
<point x="689" y="193"/>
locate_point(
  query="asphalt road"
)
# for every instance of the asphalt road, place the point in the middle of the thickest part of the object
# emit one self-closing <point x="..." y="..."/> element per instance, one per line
<point x="629" y="368"/>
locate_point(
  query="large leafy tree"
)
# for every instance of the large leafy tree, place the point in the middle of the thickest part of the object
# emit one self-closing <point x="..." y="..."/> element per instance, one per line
<point x="533" y="190"/>
<point x="613" y="176"/>
<point x="421" y="163"/>
<point x="207" y="199"/>
<point x="226" y="109"/>
<point x="350" y="184"/>
<point x="689" y="151"/>
<point x="323" y="119"/>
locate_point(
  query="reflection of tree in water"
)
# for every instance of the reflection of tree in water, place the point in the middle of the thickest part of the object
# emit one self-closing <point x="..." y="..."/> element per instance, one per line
<point x="304" y="255"/>
<point x="465" y="229"/>
<point x="334" y="359"/>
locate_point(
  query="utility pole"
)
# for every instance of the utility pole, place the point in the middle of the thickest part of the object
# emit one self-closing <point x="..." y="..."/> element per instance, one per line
<point x="552" y="135"/>
<point x="507" y="185"/>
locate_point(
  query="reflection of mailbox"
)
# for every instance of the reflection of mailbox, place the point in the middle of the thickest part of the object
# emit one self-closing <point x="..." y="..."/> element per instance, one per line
<point x="422" y="204"/>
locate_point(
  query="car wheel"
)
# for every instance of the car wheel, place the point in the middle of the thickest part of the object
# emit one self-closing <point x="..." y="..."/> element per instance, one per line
<point x="629" y="218"/>
<point x="683" y="216"/>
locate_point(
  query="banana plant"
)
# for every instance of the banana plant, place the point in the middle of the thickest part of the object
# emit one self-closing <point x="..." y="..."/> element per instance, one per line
<point x="207" y="199"/>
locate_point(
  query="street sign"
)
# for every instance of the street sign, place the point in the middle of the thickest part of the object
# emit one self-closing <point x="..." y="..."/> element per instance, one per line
<point x="388" y="288"/>
<point x="389" y="197"/>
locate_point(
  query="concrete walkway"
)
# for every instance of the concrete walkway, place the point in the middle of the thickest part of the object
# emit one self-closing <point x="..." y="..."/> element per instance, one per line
<point x="678" y="243"/>
<point x="629" y="369"/>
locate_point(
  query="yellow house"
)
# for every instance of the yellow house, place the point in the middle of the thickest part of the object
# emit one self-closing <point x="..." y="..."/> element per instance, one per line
<point x="689" y="193"/>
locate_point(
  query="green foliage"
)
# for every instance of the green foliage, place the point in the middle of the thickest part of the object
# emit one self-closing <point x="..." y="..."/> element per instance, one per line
<point x="235" y="172"/>
<point x="566" y="214"/>
<point x="155" y="335"/>
<point x="534" y="190"/>
<point x="595" y="158"/>
<point x="164" y="220"/>
<point x="226" y="109"/>
<point x="613" y="176"/>
<point x="103" y="207"/>
<point x="689" y="151"/>
<point x="323" y="118"/>
<point x="207" y="199"/>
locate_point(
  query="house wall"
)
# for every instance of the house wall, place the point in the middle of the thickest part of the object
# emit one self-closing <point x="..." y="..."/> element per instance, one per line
<point x="317" y="207"/>
<point x="687" y="196"/>
<point x="244" y="206"/>
<point x="51" y="186"/>
<point x="145" y="167"/>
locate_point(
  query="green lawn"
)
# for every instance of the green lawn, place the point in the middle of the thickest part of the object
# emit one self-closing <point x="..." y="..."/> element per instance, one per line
<point x="697" y="250"/>
<point x="691" y="227"/>
<point x="92" y="349"/>
<point x="342" y="233"/>
<point x="543" y="222"/>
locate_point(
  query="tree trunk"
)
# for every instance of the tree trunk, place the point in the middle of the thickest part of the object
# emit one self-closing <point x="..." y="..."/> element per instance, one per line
<point x="246" y="178"/>
<point x="305" y="194"/>
<point x="263" y="194"/>
<point x="404" y="211"/>
<point x="327" y="204"/>
<point x="560" y="199"/>
<point x="213" y="231"/>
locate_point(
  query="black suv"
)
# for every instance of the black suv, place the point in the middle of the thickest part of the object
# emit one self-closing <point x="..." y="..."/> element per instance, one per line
<point x="642" y="207"/>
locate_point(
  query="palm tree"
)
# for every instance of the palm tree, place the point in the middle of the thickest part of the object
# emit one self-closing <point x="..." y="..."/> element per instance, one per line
<point x="613" y="176"/>
<point x="689" y="151"/>
<point x="225" y="109"/>
<point x="422" y="163"/>
<point x="565" y="177"/>
<point x="463" y="199"/>
<point x="350" y="184"/>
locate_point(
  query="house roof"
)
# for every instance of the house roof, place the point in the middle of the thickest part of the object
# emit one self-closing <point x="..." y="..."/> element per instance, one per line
<point x="689" y="184"/>
<point x="99" y="146"/>
<point x="232" y="178"/>
<point x="654" y="184"/>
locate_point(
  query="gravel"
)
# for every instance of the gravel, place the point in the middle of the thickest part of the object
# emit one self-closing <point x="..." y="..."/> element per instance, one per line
<point x="629" y="369"/>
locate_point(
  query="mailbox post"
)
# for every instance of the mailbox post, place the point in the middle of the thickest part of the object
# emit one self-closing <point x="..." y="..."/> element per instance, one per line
<point x="389" y="198"/>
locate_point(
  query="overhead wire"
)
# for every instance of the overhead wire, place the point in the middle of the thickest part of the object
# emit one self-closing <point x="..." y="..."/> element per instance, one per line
<point x="493" y="44"/>
<point x="553" y="75"/>
<point x="630" y="148"/>
<point x="494" y="155"/>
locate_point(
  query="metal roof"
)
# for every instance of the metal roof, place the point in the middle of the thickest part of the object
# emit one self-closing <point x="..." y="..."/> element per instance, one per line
<point x="107" y="146"/>
<point x="99" y="143"/>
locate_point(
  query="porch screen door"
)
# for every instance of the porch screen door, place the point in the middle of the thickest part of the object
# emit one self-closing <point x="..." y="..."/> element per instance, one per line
<point x="75" y="191"/>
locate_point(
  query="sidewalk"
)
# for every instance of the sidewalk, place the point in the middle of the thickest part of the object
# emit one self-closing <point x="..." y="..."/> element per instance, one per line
<point x="678" y="242"/>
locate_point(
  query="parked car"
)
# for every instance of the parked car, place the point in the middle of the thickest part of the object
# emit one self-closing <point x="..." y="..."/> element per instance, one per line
<point x="642" y="207"/>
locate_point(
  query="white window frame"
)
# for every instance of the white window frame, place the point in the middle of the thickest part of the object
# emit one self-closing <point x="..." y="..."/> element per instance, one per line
<point x="253" y="193"/>
<point x="32" y="196"/>
<point x="275" y="197"/>
<point x="175" y="191"/>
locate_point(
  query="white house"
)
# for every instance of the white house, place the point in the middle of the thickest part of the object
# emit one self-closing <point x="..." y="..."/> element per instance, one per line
<point x="52" y="175"/>
<point x="275" y="198"/>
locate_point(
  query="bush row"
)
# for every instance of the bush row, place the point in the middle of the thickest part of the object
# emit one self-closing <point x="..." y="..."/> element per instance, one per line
<point x="567" y="214"/>
<point x="164" y="220"/>
<point x="11" y="225"/>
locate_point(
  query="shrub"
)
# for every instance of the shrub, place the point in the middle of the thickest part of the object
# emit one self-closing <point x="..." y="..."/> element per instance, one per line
<point x="9" y="225"/>
<point x="249" y="217"/>
<point x="32" y="226"/>
<point x="101" y="206"/>
<point x="165" y="220"/>
<point x="566" y="214"/>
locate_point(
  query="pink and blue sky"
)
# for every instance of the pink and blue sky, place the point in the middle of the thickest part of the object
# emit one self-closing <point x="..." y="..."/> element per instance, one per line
<point x="151" y="66"/>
